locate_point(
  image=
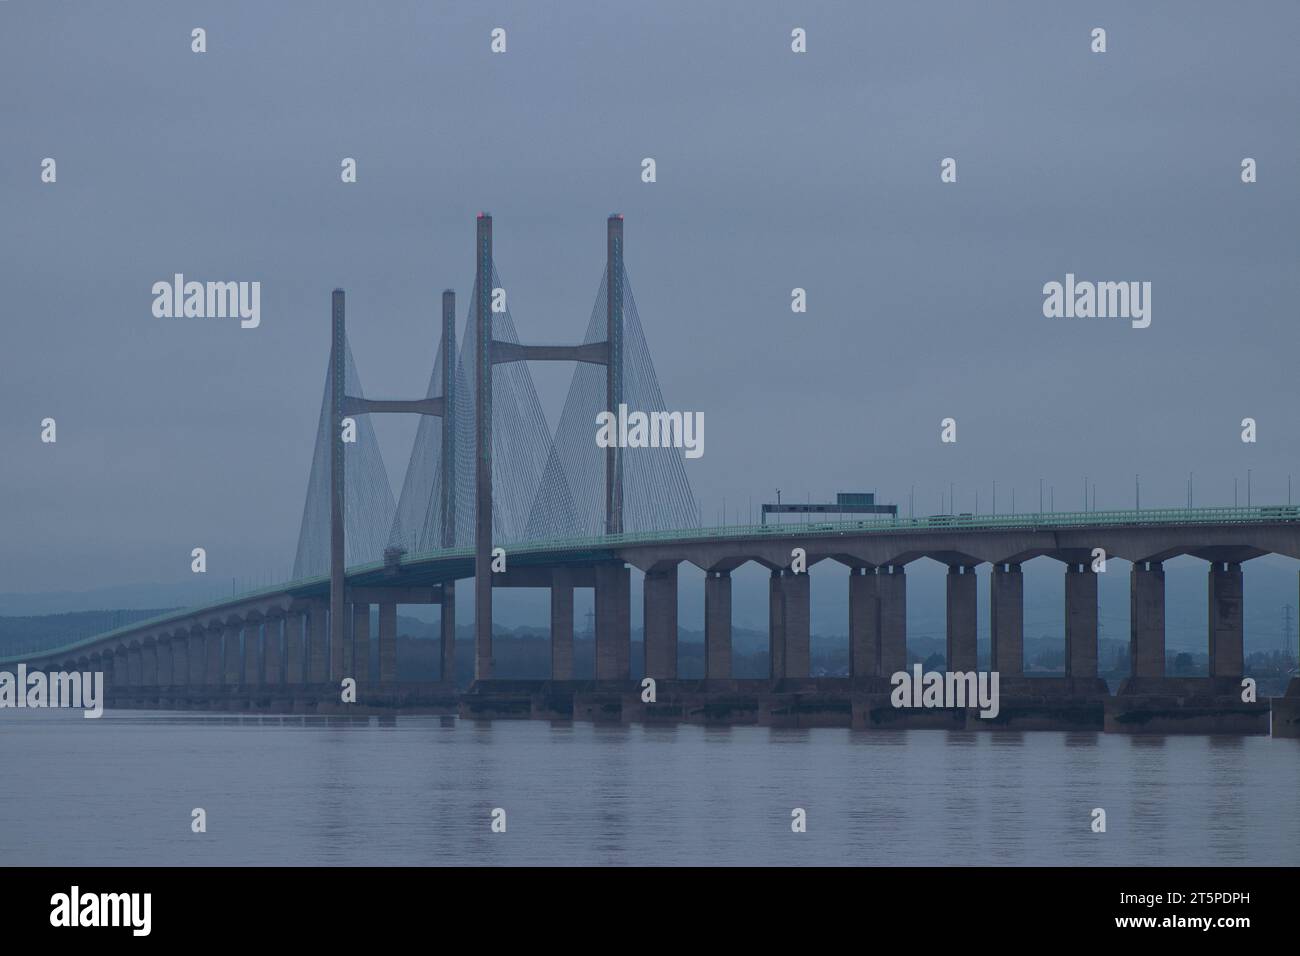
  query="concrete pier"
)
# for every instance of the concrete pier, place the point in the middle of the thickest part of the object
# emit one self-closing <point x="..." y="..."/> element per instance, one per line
<point x="962" y="618"/>
<point x="232" y="670"/>
<point x="272" y="657"/>
<point x="213" y="640"/>
<point x="1227" y="658"/>
<point x="387" y="642"/>
<point x="798" y="625"/>
<point x="659" y="609"/>
<point x="864" y="623"/>
<point x="180" y="645"/>
<point x="148" y="665"/>
<point x="252" y="637"/>
<point x="891" y="590"/>
<point x="776" y="626"/>
<point x="613" y="621"/>
<point x="293" y="648"/>
<point x="1147" y="619"/>
<point x="1007" y="619"/>
<point x="1080" y="621"/>
<point x="360" y="660"/>
<point x="198" y="650"/>
<point x="717" y="625"/>
<point x="562" y="624"/>
<point x="317" y="643"/>
<point x="447" y="635"/>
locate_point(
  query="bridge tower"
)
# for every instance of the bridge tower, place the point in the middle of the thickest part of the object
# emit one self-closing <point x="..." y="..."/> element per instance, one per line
<point x="490" y="351"/>
<point x="343" y="405"/>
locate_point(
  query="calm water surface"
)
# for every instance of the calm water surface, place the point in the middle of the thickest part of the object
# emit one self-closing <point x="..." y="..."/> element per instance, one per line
<point x="420" y="790"/>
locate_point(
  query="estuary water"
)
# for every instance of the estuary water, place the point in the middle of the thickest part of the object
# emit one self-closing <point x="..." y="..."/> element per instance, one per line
<point x="422" y="790"/>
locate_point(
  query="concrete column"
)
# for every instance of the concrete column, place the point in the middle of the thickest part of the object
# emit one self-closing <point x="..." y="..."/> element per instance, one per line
<point x="717" y="625"/>
<point x="864" y="623"/>
<point x="317" y="643"/>
<point x="198" y="673"/>
<point x="252" y="640"/>
<point x="387" y="643"/>
<point x="149" y="665"/>
<point x="293" y="655"/>
<point x="561" y="624"/>
<point x="1227" y="651"/>
<point x="180" y="645"/>
<point x="122" y="666"/>
<point x="272" y="659"/>
<point x="963" y="613"/>
<point x="360" y="659"/>
<point x="231" y="660"/>
<point x="163" y="662"/>
<point x="212" y="672"/>
<point x="660" y="621"/>
<point x="613" y="622"/>
<point x="776" y="626"/>
<point x="1007" y="620"/>
<point x="447" y="635"/>
<point x="134" y="666"/>
<point x="1146" y="602"/>
<point x="798" y="625"/>
<point x="891" y="589"/>
<point x="1080" y="621"/>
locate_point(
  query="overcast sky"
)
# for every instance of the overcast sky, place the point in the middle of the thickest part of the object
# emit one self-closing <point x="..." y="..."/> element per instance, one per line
<point x="775" y="170"/>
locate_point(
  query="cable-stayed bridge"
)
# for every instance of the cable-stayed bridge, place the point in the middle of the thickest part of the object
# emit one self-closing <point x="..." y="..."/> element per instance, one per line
<point x="490" y="493"/>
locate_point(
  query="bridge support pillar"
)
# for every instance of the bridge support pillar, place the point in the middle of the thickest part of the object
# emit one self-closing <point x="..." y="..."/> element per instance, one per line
<point x="891" y="589"/>
<point x="149" y="665"/>
<point x="180" y="647"/>
<point x="962" y="653"/>
<point x="317" y="643"/>
<point x="613" y="622"/>
<point x="717" y="625"/>
<point x="272" y="658"/>
<point x="293" y="655"/>
<point x="1226" y="620"/>
<point x="357" y="658"/>
<point x="252" y="640"/>
<point x="776" y="626"/>
<point x="660" y="613"/>
<point x="164" y="662"/>
<point x="231" y="668"/>
<point x="197" y="676"/>
<point x="212" y="655"/>
<point x="561" y="624"/>
<point x="447" y="635"/>
<point x="1007" y="620"/>
<point x="864" y="623"/>
<point x="1080" y="621"/>
<point x="387" y="643"/>
<point x="797" y="624"/>
<point x="1147" y="619"/>
<point x="104" y="662"/>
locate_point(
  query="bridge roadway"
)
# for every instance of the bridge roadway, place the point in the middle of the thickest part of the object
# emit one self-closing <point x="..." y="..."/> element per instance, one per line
<point x="268" y="649"/>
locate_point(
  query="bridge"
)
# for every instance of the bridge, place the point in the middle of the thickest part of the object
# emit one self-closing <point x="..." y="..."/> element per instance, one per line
<point x="491" y="494"/>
